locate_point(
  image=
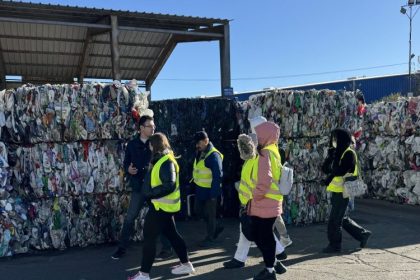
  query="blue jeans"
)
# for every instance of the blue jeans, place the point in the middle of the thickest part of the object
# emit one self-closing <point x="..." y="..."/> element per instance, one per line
<point x="136" y="204"/>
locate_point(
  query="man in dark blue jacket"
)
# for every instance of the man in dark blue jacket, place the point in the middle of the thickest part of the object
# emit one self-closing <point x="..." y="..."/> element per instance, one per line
<point x="207" y="178"/>
<point x="136" y="160"/>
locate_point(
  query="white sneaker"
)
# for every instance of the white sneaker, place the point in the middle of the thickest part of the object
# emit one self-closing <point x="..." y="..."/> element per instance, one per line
<point x="139" y="276"/>
<point x="185" y="268"/>
<point x="285" y="242"/>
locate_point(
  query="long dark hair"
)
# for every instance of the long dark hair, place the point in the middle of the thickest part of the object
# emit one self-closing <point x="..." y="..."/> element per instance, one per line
<point x="159" y="143"/>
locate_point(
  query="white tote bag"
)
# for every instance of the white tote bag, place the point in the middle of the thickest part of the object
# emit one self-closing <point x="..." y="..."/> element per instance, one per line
<point x="286" y="179"/>
<point x="353" y="185"/>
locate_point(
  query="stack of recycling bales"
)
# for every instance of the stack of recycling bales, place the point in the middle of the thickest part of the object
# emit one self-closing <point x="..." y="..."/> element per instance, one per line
<point x="306" y="119"/>
<point x="61" y="175"/>
<point x="61" y="155"/>
<point x="390" y="150"/>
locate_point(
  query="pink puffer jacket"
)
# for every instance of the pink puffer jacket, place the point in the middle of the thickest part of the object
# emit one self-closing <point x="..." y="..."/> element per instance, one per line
<point x="263" y="207"/>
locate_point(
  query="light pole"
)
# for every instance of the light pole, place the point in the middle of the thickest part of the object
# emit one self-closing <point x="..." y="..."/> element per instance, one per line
<point x="403" y="10"/>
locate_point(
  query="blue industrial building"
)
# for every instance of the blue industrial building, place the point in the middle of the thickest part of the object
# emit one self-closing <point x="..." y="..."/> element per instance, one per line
<point x="373" y="88"/>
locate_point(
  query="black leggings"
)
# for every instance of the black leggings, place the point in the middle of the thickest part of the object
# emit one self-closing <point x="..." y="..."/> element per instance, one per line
<point x="338" y="220"/>
<point x="156" y="223"/>
<point x="264" y="238"/>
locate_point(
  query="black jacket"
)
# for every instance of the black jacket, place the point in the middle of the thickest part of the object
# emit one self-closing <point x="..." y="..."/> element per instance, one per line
<point x="332" y="165"/>
<point x="139" y="154"/>
<point x="167" y="175"/>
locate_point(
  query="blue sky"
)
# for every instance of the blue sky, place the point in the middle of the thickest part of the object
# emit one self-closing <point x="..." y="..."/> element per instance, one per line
<point x="277" y="38"/>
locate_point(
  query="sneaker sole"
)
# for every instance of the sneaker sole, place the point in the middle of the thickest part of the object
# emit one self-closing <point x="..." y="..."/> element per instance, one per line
<point x="184" y="273"/>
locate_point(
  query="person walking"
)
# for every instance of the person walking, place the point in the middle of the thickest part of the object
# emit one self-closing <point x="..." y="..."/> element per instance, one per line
<point x="341" y="160"/>
<point x="136" y="160"/>
<point x="207" y="178"/>
<point x="161" y="189"/>
<point x="266" y="203"/>
<point x="279" y="225"/>
<point x="247" y="151"/>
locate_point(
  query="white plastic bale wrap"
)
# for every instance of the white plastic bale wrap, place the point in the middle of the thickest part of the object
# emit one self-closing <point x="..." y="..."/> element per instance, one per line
<point x="306" y="119"/>
<point x="390" y="150"/>
<point x="61" y="178"/>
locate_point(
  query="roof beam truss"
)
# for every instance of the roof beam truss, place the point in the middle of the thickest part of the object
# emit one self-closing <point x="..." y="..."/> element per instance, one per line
<point x="163" y="57"/>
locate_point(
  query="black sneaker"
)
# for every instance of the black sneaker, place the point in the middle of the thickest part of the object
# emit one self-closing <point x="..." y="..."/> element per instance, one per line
<point x="119" y="253"/>
<point x="282" y="256"/>
<point x="331" y="250"/>
<point x="365" y="237"/>
<point x="218" y="231"/>
<point x="164" y="255"/>
<point x="265" y="275"/>
<point x="233" y="263"/>
<point x="280" y="268"/>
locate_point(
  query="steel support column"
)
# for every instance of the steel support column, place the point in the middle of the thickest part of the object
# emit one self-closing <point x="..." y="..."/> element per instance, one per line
<point x="115" y="53"/>
<point x="224" y="45"/>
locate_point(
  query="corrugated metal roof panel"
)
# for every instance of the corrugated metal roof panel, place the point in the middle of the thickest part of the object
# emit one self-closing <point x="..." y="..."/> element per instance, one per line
<point x="40" y="71"/>
<point x="137" y="63"/>
<point x="42" y="30"/>
<point x="142" y="37"/>
<point x="47" y="44"/>
<point x="103" y="62"/>
<point x="126" y="15"/>
<point x="39" y="45"/>
<point x="103" y="37"/>
<point x="27" y="58"/>
<point x="101" y="49"/>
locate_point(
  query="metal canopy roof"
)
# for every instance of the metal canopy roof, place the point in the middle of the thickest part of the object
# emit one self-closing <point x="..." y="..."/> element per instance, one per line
<point x="53" y="43"/>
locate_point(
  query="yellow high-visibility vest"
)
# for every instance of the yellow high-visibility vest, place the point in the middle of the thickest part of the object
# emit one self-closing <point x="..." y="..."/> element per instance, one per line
<point x="170" y="203"/>
<point x="246" y="185"/>
<point x="202" y="175"/>
<point x="275" y="160"/>
<point x="337" y="182"/>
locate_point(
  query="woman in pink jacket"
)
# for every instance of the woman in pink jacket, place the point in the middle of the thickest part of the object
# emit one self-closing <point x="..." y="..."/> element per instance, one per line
<point x="266" y="204"/>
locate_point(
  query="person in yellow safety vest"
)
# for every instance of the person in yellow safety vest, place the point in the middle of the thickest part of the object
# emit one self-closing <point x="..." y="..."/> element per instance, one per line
<point x="161" y="189"/>
<point x="341" y="160"/>
<point x="279" y="225"/>
<point x="247" y="152"/>
<point x="207" y="178"/>
<point x="266" y="203"/>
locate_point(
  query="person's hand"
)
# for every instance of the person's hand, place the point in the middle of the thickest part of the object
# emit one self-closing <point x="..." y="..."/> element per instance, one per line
<point x="132" y="169"/>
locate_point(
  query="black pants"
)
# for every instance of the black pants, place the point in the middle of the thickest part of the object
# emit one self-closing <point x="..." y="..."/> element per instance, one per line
<point x="264" y="238"/>
<point x="337" y="221"/>
<point x="136" y="203"/>
<point x="156" y="223"/>
<point x="166" y="245"/>
<point x="207" y="209"/>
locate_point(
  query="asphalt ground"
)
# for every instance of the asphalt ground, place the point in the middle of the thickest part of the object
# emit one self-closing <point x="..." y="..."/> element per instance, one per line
<point x="393" y="252"/>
